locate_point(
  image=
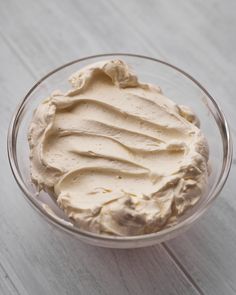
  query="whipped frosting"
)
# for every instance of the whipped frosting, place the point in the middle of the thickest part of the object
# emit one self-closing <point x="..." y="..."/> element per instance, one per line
<point x="118" y="156"/>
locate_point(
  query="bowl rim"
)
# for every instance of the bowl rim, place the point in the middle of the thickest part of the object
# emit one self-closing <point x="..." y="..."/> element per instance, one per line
<point x="227" y="160"/>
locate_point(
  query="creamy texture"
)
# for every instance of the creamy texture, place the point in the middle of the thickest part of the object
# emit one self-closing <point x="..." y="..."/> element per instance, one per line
<point x="119" y="157"/>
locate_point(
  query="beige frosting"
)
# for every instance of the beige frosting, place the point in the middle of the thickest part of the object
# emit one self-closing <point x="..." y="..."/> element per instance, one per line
<point x="119" y="156"/>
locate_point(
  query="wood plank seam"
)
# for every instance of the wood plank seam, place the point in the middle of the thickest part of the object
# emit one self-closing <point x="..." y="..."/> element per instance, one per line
<point x="182" y="268"/>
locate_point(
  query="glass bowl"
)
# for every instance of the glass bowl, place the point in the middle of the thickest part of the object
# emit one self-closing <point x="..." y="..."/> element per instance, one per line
<point x="178" y="86"/>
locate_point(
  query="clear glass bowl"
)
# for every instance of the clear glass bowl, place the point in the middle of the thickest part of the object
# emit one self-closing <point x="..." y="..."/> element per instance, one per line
<point x="177" y="85"/>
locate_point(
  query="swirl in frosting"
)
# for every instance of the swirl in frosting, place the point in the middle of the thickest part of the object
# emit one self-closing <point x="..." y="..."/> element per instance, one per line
<point x="119" y="157"/>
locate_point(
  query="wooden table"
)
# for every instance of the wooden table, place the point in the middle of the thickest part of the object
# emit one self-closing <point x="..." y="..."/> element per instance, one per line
<point x="37" y="36"/>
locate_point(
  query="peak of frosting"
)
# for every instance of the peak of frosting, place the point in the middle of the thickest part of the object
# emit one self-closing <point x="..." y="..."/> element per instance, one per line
<point x="117" y="70"/>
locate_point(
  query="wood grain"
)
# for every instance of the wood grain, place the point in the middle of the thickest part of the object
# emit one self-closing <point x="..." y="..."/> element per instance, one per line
<point x="37" y="36"/>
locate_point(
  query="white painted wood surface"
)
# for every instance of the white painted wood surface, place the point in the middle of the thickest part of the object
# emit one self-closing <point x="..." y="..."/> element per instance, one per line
<point x="37" y="36"/>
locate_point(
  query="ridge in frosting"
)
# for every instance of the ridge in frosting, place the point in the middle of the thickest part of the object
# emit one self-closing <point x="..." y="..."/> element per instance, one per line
<point x="119" y="157"/>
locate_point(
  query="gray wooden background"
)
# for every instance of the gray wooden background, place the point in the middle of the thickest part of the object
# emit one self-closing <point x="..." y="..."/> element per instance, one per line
<point x="37" y="36"/>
